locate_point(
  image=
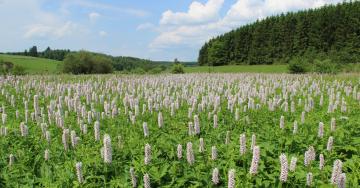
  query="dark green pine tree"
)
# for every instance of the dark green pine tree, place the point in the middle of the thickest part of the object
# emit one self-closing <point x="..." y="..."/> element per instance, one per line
<point x="332" y="31"/>
<point x="202" y="59"/>
<point x="216" y="53"/>
<point x="33" y="51"/>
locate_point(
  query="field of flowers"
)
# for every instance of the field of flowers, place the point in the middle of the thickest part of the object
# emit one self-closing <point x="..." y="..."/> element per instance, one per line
<point x="193" y="130"/>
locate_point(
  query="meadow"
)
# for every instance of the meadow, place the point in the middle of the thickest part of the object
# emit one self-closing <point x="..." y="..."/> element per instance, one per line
<point x="191" y="130"/>
<point x="33" y="65"/>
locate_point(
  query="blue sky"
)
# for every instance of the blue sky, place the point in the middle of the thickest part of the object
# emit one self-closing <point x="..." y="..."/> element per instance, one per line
<point x="151" y="29"/>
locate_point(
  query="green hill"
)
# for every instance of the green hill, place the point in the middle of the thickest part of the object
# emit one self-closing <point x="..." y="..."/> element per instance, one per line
<point x="33" y="65"/>
<point x="332" y="32"/>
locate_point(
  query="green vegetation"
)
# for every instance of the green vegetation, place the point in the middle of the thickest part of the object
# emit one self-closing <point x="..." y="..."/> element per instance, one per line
<point x="137" y="65"/>
<point x="326" y="67"/>
<point x="239" y="69"/>
<point x="48" y="53"/>
<point x="120" y="63"/>
<point x="322" y="65"/>
<point x="33" y="65"/>
<point x="175" y="130"/>
<point x="87" y="63"/>
<point x="35" y="62"/>
<point x="177" y="68"/>
<point x="298" y="65"/>
<point x="332" y="31"/>
<point x="352" y="68"/>
<point x="7" y="67"/>
<point x="18" y="70"/>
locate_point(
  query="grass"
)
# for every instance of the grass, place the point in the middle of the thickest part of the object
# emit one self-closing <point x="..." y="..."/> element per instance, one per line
<point x="239" y="69"/>
<point x="33" y="65"/>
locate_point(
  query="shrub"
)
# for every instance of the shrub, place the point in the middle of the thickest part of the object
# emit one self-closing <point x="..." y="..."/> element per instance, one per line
<point x="5" y="67"/>
<point x="156" y="70"/>
<point x="178" y="69"/>
<point x="87" y="63"/>
<point x="326" y="66"/>
<point x="298" y="66"/>
<point x="18" y="70"/>
<point x="9" y="68"/>
<point x="138" y="71"/>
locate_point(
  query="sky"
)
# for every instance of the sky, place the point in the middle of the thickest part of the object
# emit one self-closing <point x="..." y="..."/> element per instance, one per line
<point x="150" y="29"/>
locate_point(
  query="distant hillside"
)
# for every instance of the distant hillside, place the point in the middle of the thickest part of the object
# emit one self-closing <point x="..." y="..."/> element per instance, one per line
<point x="33" y="65"/>
<point x="332" y="31"/>
<point x="49" y="59"/>
<point x="39" y="65"/>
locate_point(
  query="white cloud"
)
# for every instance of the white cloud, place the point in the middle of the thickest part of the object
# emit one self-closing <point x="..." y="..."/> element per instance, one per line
<point x="192" y="36"/>
<point x="42" y="31"/>
<point x="27" y="23"/>
<point x="244" y="11"/>
<point x="103" y="34"/>
<point x="28" y="19"/>
<point x="197" y="13"/>
<point x="103" y="6"/>
<point x="189" y="28"/>
<point x="145" y="26"/>
<point x="94" y="16"/>
<point x="201" y="22"/>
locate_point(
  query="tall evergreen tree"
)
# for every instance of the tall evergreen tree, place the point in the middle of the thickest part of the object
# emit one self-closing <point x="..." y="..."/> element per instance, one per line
<point x="332" y="30"/>
<point x="33" y="51"/>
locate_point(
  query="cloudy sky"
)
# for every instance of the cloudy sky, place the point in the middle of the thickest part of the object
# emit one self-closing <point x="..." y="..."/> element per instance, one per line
<point x="152" y="29"/>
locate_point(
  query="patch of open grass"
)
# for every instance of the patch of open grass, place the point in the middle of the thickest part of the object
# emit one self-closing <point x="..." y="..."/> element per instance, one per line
<point x="33" y="65"/>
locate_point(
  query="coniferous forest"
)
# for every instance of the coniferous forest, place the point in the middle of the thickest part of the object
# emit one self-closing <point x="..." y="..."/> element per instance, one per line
<point x="331" y="32"/>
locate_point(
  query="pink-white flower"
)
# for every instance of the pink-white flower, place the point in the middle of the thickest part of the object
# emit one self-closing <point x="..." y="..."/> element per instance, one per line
<point x="147" y="158"/>
<point x="190" y="153"/>
<point x="107" y="149"/>
<point x="321" y="161"/>
<point x="133" y="177"/>
<point x="242" y="144"/>
<point x="309" y="178"/>
<point x="79" y="173"/>
<point x="336" y="172"/>
<point x="330" y="143"/>
<point x="321" y="130"/>
<point x="231" y="178"/>
<point x="293" y="164"/>
<point x="213" y="153"/>
<point x="147" y="181"/>
<point x="215" y="176"/>
<point x="284" y="168"/>
<point x="179" y="151"/>
<point x="255" y="160"/>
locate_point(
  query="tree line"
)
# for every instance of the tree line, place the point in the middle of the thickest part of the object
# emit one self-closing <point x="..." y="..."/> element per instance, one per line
<point x="48" y="53"/>
<point x="84" y="62"/>
<point x="332" y="31"/>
